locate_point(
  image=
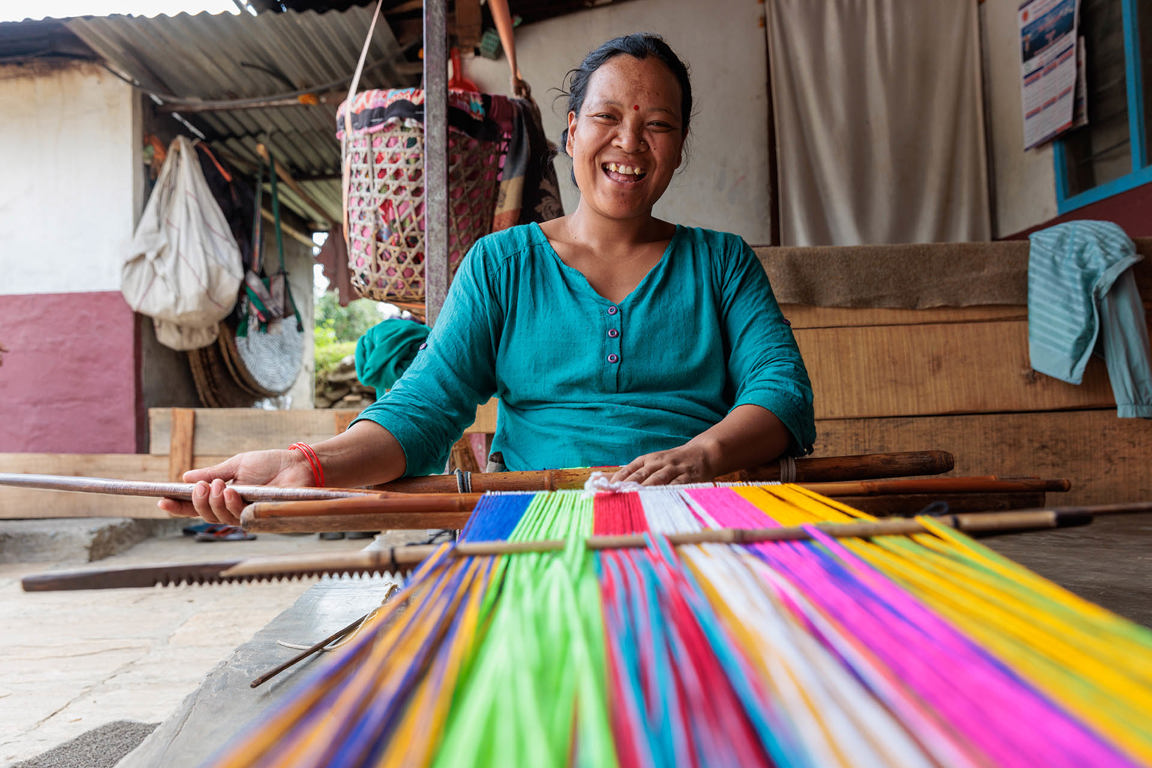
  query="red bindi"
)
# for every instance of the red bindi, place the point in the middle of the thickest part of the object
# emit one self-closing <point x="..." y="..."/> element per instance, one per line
<point x="636" y="107"/>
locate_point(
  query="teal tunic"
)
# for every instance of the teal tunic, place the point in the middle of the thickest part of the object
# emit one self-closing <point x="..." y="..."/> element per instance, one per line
<point x="586" y="382"/>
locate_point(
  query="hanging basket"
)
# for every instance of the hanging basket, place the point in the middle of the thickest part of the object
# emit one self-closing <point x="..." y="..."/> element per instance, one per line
<point x="384" y="161"/>
<point x="266" y="362"/>
<point x="216" y="384"/>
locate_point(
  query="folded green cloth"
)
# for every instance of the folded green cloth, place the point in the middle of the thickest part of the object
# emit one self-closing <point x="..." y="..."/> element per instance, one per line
<point x="386" y="350"/>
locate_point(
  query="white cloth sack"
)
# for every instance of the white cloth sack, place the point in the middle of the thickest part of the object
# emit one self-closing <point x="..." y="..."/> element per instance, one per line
<point x="184" y="267"/>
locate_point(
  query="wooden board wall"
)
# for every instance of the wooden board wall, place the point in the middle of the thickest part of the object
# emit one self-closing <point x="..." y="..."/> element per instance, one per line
<point x="958" y="379"/>
<point x="876" y="363"/>
<point x="935" y="368"/>
<point x="230" y="430"/>
<point x="1105" y="458"/>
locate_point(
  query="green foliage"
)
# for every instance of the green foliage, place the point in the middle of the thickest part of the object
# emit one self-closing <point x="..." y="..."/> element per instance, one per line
<point x="328" y="356"/>
<point x="338" y="328"/>
<point x="346" y="323"/>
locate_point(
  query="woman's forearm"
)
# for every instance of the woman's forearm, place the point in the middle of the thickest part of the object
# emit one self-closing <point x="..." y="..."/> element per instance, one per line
<point x="364" y="454"/>
<point x="748" y="436"/>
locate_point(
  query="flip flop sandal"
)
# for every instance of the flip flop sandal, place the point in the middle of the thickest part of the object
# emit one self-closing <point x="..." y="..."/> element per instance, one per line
<point x="192" y="530"/>
<point x="226" y="533"/>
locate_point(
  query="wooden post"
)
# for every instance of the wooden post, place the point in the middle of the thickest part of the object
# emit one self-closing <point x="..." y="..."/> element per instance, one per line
<point x="435" y="157"/>
<point x="182" y="448"/>
<point x="341" y="420"/>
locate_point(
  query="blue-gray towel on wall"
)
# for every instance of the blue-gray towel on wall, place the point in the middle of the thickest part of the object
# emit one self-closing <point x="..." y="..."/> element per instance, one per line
<point x="1080" y="289"/>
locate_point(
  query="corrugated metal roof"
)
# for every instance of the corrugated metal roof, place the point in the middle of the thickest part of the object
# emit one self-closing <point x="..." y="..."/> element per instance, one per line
<point x="230" y="56"/>
<point x="38" y="39"/>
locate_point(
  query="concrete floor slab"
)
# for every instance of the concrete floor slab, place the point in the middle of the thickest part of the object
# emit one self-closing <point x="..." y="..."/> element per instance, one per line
<point x="224" y="704"/>
<point x="73" y="661"/>
<point x="49" y="540"/>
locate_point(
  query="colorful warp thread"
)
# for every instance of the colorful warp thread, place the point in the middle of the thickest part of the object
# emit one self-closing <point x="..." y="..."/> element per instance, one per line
<point x="929" y="650"/>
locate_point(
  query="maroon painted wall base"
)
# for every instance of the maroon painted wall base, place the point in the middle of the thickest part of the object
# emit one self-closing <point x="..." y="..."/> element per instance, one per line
<point x="1132" y="210"/>
<point x="68" y="377"/>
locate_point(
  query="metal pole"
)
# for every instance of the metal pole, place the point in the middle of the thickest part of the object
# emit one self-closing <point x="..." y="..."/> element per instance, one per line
<point x="435" y="156"/>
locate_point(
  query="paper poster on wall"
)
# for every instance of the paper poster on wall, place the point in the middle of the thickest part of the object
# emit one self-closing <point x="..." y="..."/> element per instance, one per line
<point x="1048" y="44"/>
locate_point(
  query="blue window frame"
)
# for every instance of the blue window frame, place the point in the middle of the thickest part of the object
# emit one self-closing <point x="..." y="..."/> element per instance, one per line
<point x="1110" y="154"/>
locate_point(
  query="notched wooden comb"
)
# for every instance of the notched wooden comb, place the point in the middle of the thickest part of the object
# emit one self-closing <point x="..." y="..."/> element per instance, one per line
<point x="394" y="561"/>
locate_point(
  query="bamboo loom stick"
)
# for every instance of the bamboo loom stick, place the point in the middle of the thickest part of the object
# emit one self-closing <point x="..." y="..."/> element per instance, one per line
<point x="182" y="491"/>
<point x="967" y="484"/>
<point x="857" y="467"/>
<point x="400" y="558"/>
<point x="874" y="465"/>
<point x="311" y="650"/>
<point x="403" y="511"/>
<point x="322" y="645"/>
<point x="406" y="557"/>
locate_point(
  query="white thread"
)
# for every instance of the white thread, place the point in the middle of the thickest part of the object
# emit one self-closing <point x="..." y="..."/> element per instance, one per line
<point x="599" y="482"/>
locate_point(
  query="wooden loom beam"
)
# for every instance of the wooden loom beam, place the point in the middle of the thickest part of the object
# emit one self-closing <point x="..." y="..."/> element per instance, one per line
<point x="406" y="557"/>
<point x="447" y="510"/>
<point x="813" y="469"/>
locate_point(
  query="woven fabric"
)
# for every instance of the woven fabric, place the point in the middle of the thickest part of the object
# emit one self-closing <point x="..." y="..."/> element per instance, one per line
<point x="467" y="111"/>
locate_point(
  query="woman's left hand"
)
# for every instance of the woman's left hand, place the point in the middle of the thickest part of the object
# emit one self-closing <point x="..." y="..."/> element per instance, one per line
<point x="687" y="464"/>
<point x="748" y="436"/>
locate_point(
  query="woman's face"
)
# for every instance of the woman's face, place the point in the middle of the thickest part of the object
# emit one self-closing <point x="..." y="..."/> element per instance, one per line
<point x="628" y="138"/>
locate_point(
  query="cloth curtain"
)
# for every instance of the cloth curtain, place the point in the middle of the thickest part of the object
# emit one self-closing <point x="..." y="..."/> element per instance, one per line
<point x="879" y="122"/>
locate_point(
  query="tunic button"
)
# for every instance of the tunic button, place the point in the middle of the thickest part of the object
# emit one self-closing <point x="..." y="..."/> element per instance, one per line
<point x="613" y="358"/>
<point x="613" y="309"/>
<point x="613" y="333"/>
<point x="424" y="345"/>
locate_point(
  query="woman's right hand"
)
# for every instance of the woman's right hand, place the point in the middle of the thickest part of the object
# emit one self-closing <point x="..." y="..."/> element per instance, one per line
<point x="216" y="502"/>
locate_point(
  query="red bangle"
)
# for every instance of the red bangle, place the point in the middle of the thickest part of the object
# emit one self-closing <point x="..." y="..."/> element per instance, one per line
<point x="313" y="462"/>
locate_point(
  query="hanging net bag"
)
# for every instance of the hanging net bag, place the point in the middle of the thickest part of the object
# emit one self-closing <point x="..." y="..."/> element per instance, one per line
<point x="268" y="350"/>
<point x="384" y="155"/>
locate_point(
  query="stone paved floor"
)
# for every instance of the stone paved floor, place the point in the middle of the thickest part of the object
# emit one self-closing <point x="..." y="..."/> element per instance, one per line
<point x="72" y="661"/>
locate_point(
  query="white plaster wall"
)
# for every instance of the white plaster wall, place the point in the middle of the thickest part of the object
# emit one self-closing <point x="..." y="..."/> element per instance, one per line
<point x="298" y="260"/>
<point x="724" y="182"/>
<point x="67" y="187"/>
<point x="1023" y="182"/>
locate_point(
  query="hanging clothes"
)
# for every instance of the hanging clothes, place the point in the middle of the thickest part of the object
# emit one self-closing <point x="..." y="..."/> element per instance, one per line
<point x="1081" y="292"/>
<point x="233" y="194"/>
<point x="333" y="260"/>
<point x="529" y="190"/>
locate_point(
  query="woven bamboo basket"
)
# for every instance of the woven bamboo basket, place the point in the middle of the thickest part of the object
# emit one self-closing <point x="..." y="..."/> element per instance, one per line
<point x="385" y="201"/>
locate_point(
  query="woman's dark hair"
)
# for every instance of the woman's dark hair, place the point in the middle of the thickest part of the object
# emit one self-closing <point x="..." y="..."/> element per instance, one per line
<point x="639" y="46"/>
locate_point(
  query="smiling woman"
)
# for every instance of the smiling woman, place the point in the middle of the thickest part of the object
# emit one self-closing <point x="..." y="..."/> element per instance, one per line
<point x="623" y="160"/>
<point x="608" y="335"/>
